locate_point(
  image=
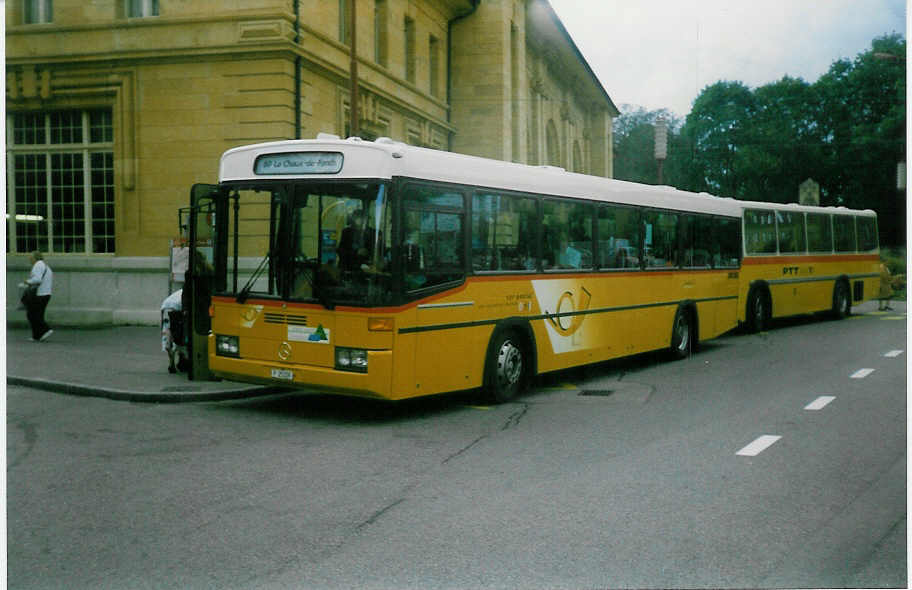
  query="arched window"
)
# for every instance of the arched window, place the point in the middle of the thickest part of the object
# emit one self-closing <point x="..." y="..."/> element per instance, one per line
<point x="553" y="146"/>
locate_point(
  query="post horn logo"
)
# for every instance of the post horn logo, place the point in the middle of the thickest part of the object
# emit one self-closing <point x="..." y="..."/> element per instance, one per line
<point x="285" y="351"/>
<point x="565" y="320"/>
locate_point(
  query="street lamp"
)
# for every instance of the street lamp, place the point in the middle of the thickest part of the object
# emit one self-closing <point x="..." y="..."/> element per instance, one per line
<point x="661" y="144"/>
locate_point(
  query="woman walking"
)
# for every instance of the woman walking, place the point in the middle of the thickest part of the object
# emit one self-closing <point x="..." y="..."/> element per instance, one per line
<point x="41" y="277"/>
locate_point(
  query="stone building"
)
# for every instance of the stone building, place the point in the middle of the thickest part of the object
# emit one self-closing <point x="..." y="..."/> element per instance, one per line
<point x="115" y="108"/>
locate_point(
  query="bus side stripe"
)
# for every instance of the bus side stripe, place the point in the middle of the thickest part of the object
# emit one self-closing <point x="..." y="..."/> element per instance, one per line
<point x="546" y="316"/>
<point x="818" y="279"/>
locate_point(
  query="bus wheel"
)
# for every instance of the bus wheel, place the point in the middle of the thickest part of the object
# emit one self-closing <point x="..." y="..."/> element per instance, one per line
<point x="682" y="334"/>
<point x="506" y="367"/>
<point x="842" y="304"/>
<point x="757" y="311"/>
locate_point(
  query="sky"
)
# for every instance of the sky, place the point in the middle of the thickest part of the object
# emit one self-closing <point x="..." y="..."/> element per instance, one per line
<point x="662" y="53"/>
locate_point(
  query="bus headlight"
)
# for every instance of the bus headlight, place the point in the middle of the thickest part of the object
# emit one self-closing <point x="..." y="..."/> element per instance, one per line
<point x="227" y="346"/>
<point x="351" y="359"/>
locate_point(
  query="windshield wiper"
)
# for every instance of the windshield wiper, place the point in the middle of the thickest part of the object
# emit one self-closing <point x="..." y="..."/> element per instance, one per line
<point x="245" y="292"/>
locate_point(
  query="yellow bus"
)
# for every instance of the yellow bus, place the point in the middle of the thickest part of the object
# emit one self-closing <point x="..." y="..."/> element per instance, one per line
<point x="800" y="260"/>
<point x="378" y="269"/>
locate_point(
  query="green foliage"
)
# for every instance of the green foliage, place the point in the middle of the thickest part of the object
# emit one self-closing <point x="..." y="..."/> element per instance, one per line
<point x="846" y="131"/>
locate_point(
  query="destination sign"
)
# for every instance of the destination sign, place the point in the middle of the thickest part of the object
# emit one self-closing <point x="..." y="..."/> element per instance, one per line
<point x="299" y="163"/>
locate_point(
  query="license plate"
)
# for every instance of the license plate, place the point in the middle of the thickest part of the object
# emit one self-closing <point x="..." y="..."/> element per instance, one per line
<point x="284" y="374"/>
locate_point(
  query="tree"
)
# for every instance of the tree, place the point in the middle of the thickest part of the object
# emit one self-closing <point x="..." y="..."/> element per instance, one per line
<point x="634" y="144"/>
<point x="863" y="130"/>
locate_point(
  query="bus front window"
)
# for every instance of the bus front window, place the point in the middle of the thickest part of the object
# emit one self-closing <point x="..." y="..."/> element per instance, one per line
<point x="341" y="244"/>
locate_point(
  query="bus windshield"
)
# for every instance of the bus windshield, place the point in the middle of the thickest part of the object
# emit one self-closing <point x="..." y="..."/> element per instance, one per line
<point x="340" y="243"/>
<point x="312" y="242"/>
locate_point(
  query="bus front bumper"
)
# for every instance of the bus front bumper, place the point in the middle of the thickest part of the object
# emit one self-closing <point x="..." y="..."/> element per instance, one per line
<point x="375" y="383"/>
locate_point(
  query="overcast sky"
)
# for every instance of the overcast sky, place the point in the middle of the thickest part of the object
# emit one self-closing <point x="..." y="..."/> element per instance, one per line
<point x="662" y="53"/>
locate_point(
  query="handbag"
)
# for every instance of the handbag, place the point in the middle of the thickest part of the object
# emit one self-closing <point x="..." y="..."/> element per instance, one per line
<point x="31" y="291"/>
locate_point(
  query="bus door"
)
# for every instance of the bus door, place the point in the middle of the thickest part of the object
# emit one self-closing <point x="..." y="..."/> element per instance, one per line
<point x="198" y="280"/>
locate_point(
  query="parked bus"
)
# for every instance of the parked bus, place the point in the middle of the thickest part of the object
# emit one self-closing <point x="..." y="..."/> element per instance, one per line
<point x="801" y="260"/>
<point x="389" y="271"/>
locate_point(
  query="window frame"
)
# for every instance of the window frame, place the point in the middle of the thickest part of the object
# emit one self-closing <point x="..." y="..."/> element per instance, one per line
<point x="147" y="8"/>
<point x="43" y="8"/>
<point x="584" y="204"/>
<point x="43" y="147"/>
<point x="404" y="208"/>
<point x="638" y="222"/>
<point x="536" y="202"/>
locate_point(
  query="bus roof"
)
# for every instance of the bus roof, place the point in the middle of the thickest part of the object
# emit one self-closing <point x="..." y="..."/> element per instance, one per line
<point x="806" y="208"/>
<point x="388" y="159"/>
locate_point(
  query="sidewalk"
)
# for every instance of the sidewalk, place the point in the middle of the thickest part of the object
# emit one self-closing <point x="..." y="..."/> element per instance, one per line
<point x="127" y="363"/>
<point x="119" y="362"/>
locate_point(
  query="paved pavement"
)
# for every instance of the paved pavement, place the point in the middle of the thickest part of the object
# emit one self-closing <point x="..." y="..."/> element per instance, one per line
<point x="120" y="362"/>
<point x="127" y="363"/>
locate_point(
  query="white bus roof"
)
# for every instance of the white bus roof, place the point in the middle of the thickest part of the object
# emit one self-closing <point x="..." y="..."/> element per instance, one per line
<point x="387" y="159"/>
<point x="806" y="208"/>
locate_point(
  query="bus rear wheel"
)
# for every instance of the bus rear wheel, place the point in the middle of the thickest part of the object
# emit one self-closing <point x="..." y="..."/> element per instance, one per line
<point x="506" y="367"/>
<point x="682" y="334"/>
<point x="757" y="311"/>
<point x="842" y="304"/>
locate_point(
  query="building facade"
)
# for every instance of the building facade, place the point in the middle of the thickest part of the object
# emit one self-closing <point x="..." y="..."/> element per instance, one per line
<point x="115" y="108"/>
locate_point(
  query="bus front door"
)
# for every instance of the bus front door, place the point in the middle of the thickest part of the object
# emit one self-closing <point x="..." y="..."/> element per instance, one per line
<point x="198" y="279"/>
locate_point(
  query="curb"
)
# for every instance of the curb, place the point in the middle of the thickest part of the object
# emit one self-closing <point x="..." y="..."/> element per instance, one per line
<point x="162" y="397"/>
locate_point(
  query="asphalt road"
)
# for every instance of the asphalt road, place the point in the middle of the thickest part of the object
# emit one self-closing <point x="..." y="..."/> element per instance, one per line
<point x="644" y="473"/>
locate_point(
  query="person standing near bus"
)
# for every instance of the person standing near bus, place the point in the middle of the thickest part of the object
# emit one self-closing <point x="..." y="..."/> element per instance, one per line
<point x="886" y="288"/>
<point x="43" y="277"/>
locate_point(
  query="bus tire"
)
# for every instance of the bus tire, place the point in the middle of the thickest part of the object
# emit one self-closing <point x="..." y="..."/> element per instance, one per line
<point x="683" y="334"/>
<point x="842" y="301"/>
<point x="506" y="367"/>
<point x="758" y="311"/>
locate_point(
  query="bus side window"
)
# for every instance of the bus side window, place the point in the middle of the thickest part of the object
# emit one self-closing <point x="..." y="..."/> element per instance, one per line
<point x="759" y="231"/>
<point x="661" y="239"/>
<point x="819" y="233"/>
<point x="867" y="233"/>
<point x="790" y="226"/>
<point x="844" y="233"/>
<point x="503" y="232"/>
<point x="618" y="237"/>
<point x="433" y="237"/>
<point x="568" y="241"/>
<point x="726" y="236"/>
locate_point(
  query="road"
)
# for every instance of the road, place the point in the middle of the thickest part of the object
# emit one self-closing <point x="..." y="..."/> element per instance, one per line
<point x="643" y="473"/>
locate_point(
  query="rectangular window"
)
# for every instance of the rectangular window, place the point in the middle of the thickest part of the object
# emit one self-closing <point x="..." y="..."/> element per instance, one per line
<point x="819" y="233"/>
<point x="566" y="235"/>
<point x="61" y="189"/>
<point x="867" y="233"/>
<point x="410" y="57"/>
<point x="141" y="8"/>
<point x="618" y="237"/>
<point x="790" y="228"/>
<point x="434" y="62"/>
<point x="759" y="231"/>
<point x="433" y="246"/>
<point x="381" y="19"/>
<point x="726" y="248"/>
<point x="504" y="233"/>
<point x="344" y="18"/>
<point x="696" y="241"/>
<point x="844" y="233"/>
<point x="660" y="240"/>
<point x="37" y="11"/>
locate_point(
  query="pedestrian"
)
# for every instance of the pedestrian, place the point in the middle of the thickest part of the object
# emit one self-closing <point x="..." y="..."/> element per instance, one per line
<point x="172" y="324"/>
<point x="886" y="288"/>
<point x="37" y="295"/>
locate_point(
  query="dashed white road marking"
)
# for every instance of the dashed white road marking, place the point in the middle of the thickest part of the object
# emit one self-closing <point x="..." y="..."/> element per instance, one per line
<point x="758" y="446"/>
<point x="820" y="403"/>
<point x="862" y="373"/>
<point x="893" y="353"/>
